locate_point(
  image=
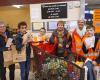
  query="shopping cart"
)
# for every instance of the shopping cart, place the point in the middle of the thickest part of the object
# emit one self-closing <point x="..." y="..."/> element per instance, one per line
<point x="50" y="67"/>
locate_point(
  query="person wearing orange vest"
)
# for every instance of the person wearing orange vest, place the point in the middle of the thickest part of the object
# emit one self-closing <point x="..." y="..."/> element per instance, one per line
<point x="41" y="37"/>
<point x="39" y="40"/>
<point x="62" y="39"/>
<point x="78" y="36"/>
<point x="91" y="47"/>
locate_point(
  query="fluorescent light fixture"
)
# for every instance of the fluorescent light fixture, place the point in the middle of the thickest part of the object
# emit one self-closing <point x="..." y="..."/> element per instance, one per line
<point x="17" y="6"/>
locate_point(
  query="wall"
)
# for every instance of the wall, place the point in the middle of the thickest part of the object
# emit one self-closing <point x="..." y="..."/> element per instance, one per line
<point x="73" y="14"/>
<point x="13" y="16"/>
<point x="96" y="20"/>
<point x="73" y="10"/>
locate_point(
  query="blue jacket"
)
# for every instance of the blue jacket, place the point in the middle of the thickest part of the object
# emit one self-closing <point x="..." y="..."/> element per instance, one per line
<point x="3" y="42"/>
<point x="19" y="45"/>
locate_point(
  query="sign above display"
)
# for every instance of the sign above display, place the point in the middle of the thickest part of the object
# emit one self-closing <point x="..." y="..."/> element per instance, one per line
<point x="54" y="11"/>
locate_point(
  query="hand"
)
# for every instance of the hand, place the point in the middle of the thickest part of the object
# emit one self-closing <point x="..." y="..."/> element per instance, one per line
<point x="88" y="60"/>
<point x="30" y="40"/>
<point x="24" y="39"/>
<point x="9" y="48"/>
<point x="47" y="38"/>
<point x="60" y="45"/>
<point x="88" y="46"/>
<point x="94" y="63"/>
<point x="67" y="46"/>
<point x="45" y="42"/>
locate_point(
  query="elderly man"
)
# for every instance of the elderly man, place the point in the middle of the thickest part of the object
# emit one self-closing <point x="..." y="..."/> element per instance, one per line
<point x="78" y="36"/>
<point x="4" y="35"/>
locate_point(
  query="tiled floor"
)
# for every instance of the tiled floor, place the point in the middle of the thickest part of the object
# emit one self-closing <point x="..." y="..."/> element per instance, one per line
<point x="17" y="75"/>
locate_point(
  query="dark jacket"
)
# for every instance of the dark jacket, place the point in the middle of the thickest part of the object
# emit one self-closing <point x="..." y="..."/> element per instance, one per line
<point x="3" y="47"/>
<point x="66" y="38"/>
<point x="19" y="45"/>
<point x="3" y="42"/>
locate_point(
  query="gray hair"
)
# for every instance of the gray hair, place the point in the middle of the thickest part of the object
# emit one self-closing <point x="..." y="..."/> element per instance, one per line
<point x="1" y="22"/>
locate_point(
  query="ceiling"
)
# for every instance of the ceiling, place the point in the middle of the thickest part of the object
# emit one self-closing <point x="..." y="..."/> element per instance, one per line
<point x="14" y="2"/>
<point x="92" y="4"/>
<point x="13" y="8"/>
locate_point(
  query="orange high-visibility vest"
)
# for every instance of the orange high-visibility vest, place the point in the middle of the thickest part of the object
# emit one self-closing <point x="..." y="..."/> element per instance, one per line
<point x="77" y="43"/>
<point x="38" y="39"/>
<point x="92" y="53"/>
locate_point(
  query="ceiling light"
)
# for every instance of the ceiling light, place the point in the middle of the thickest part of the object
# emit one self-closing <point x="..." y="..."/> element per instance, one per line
<point x="17" y="6"/>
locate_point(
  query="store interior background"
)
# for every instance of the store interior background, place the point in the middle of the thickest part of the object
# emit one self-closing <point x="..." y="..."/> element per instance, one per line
<point x="12" y="15"/>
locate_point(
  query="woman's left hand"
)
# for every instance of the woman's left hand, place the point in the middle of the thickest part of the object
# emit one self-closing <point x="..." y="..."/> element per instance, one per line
<point x="67" y="46"/>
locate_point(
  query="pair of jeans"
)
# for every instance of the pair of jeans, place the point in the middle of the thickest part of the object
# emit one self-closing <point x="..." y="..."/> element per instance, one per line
<point x="25" y="67"/>
<point x="12" y="72"/>
<point x="90" y="74"/>
<point x="2" y="72"/>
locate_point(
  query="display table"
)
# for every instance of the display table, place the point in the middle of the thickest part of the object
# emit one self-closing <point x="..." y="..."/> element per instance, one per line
<point x="50" y="67"/>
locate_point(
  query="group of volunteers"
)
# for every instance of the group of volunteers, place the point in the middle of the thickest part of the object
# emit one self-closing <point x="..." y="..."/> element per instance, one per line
<point x="81" y="43"/>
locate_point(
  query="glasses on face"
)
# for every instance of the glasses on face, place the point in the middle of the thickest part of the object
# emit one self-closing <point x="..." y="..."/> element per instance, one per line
<point x="2" y="26"/>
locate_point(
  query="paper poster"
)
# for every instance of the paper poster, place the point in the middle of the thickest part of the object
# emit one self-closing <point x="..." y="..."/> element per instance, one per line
<point x="90" y="42"/>
<point x="9" y="42"/>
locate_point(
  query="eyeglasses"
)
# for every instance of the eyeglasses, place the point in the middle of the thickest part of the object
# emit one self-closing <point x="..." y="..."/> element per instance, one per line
<point x="2" y="26"/>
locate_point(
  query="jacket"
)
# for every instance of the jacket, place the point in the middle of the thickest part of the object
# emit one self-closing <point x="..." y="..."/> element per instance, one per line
<point x="77" y="43"/>
<point x="19" y="45"/>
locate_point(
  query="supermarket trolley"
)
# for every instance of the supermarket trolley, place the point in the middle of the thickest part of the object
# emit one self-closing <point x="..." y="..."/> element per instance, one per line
<point x="50" y="67"/>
